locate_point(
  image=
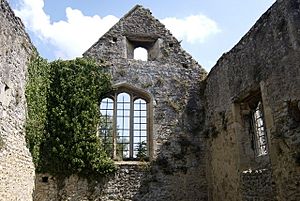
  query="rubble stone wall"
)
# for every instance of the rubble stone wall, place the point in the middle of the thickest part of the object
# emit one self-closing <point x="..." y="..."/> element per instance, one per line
<point x="177" y="169"/>
<point x="121" y="186"/>
<point x="200" y="145"/>
<point x="255" y="185"/>
<point x="265" y="60"/>
<point x="16" y="167"/>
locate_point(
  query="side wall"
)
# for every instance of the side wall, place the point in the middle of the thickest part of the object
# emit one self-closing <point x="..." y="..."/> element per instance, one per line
<point x="265" y="60"/>
<point x="16" y="167"/>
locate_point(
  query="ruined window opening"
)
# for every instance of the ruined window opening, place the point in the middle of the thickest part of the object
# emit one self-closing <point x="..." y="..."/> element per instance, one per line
<point x="124" y="129"/>
<point x="145" y="48"/>
<point x="254" y="123"/>
<point x="259" y="130"/>
<point x="140" y="53"/>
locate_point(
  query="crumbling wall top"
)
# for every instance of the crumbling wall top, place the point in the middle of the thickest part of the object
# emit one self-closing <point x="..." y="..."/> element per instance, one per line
<point x="138" y="28"/>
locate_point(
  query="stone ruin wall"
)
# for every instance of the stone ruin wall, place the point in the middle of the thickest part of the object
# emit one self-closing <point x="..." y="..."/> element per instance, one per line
<point x="266" y="59"/>
<point x="177" y="171"/>
<point x="257" y="184"/>
<point x="184" y="167"/>
<point x="178" y="168"/>
<point x="16" y="167"/>
<point x="121" y="186"/>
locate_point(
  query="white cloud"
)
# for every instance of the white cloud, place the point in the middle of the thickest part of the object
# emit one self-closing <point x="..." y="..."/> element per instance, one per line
<point x="71" y="37"/>
<point x="193" y="29"/>
<point x="75" y="35"/>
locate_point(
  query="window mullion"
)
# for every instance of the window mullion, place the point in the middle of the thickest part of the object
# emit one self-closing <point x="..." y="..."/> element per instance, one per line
<point x="131" y="125"/>
<point x="114" y="145"/>
<point x="148" y="128"/>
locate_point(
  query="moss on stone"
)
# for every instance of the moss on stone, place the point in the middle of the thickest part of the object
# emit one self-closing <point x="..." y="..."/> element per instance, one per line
<point x="2" y="144"/>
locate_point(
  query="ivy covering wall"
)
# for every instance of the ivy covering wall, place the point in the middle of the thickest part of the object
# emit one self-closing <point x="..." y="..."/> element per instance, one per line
<point x="63" y="116"/>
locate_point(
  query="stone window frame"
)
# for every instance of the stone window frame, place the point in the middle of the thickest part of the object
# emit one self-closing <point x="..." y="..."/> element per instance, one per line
<point x="252" y="113"/>
<point x="258" y="127"/>
<point x="249" y="157"/>
<point x="151" y="43"/>
<point x="135" y="93"/>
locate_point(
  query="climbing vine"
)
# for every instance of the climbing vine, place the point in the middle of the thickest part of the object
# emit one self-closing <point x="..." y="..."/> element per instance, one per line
<point x="36" y="96"/>
<point x="63" y="117"/>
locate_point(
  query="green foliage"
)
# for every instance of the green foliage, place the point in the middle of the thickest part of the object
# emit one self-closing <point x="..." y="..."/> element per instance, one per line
<point x="175" y="105"/>
<point x="36" y="95"/>
<point x="64" y="107"/>
<point x="142" y="151"/>
<point x="146" y="85"/>
<point x="2" y="144"/>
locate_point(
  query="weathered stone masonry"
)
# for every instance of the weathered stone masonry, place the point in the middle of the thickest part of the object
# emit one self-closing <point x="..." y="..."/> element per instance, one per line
<point x="177" y="170"/>
<point x="202" y="146"/>
<point x="169" y="75"/>
<point x="266" y="60"/>
<point x="16" y="167"/>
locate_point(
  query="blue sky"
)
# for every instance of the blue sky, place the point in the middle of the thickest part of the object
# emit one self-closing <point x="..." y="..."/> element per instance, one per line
<point x="208" y="28"/>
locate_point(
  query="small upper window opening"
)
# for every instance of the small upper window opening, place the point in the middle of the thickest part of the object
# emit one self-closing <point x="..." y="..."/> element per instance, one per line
<point x="140" y="53"/>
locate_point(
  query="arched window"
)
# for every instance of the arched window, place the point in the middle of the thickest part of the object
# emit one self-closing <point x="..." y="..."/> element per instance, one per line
<point x="140" y="53"/>
<point x="140" y="140"/>
<point x="125" y="126"/>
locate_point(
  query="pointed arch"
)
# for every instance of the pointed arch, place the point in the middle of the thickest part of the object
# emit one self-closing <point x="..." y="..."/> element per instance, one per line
<point x="131" y="119"/>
